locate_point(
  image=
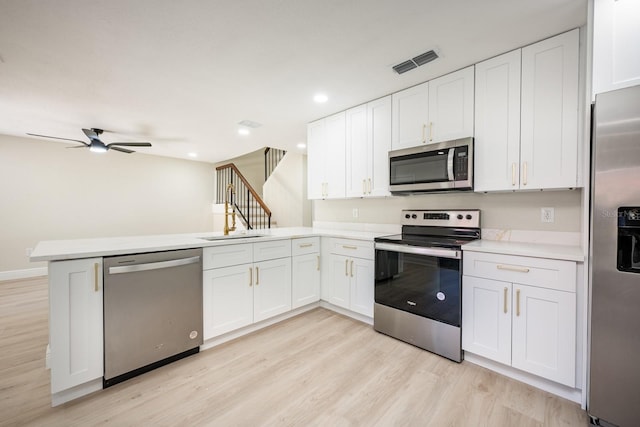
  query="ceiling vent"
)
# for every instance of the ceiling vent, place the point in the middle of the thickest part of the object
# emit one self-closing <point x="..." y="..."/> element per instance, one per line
<point x="415" y="62"/>
<point x="250" y="124"/>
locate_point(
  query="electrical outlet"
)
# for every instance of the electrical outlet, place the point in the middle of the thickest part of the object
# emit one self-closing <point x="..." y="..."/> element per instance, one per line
<point x="546" y="214"/>
<point x="355" y="212"/>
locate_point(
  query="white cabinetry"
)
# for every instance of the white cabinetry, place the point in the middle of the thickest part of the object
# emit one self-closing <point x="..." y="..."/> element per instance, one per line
<point x="527" y="117"/>
<point x="435" y="111"/>
<point x="368" y="141"/>
<point x="549" y="113"/>
<point x="521" y="311"/>
<point x="326" y="157"/>
<point x="351" y="280"/>
<point x="305" y="271"/>
<point x="616" y="37"/>
<point x="75" y="322"/>
<point x="245" y="283"/>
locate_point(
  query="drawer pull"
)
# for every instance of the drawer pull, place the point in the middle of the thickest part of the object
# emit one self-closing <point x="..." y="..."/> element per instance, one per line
<point x="505" y="299"/>
<point x="512" y="268"/>
<point x="349" y="247"/>
<point x="96" y="267"/>
<point x="518" y="302"/>
<point x="305" y="245"/>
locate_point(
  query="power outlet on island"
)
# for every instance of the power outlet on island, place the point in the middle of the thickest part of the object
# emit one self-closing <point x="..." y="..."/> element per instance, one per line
<point x="546" y="214"/>
<point x="355" y="212"/>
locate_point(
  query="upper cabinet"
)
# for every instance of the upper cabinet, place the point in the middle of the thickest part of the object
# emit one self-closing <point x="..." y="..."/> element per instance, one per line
<point x="526" y="126"/>
<point x="616" y="37"/>
<point x="368" y="141"/>
<point x="326" y="158"/>
<point x="435" y="111"/>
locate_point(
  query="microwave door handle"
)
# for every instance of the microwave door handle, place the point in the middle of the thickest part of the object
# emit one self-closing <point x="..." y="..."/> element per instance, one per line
<point x="450" y="164"/>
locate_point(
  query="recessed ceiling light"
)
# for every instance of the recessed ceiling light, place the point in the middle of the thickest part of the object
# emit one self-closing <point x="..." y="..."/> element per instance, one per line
<point x="243" y="131"/>
<point x="301" y="145"/>
<point x="192" y="154"/>
<point x="320" y="98"/>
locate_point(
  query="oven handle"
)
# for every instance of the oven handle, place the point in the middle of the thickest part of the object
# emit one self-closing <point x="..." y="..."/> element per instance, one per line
<point x="437" y="252"/>
<point x="450" y="158"/>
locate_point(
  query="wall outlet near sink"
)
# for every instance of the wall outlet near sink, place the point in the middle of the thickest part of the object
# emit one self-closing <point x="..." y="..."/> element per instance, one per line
<point x="546" y="214"/>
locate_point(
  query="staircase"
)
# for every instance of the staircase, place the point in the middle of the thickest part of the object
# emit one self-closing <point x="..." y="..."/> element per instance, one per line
<point x="249" y="206"/>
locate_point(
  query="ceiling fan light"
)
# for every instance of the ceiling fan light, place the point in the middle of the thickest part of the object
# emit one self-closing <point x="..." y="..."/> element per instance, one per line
<point x="97" y="148"/>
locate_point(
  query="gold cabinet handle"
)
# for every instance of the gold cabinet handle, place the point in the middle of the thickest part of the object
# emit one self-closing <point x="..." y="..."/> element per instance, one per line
<point x="369" y="192"/>
<point x="346" y="267"/>
<point x="513" y="174"/>
<point x="424" y="131"/>
<point x="96" y="285"/>
<point x="318" y="263"/>
<point x="364" y="186"/>
<point x="351" y="268"/>
<point x="305" y="245"/>
<point x="512" y="268"/>
<point x="430" y="131"/>
<point x="349" y="247"/>
<point x="257" y="276"/>
<point x="524" y="173"/>
<point x="505" y="299"/>
<point x="250" y="276"/>
<point x="518" y="302"/>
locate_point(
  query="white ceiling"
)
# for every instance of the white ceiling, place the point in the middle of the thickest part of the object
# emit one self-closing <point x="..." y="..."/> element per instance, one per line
<point x="182" y="74"/>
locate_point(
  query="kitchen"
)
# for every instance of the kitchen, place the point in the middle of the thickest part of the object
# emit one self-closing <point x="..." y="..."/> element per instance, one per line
<point x="75" y="177"/>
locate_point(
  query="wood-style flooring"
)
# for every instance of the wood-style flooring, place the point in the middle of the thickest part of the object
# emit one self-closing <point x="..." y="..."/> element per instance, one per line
<point x="316" y="369"/>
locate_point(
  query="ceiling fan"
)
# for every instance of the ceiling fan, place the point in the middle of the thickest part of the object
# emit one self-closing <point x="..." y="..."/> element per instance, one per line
<point x="98" y="146"/>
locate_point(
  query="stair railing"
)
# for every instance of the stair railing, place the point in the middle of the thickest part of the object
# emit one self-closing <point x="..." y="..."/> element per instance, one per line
<point x="249" y="206"/>
<point x="272" y="157"/>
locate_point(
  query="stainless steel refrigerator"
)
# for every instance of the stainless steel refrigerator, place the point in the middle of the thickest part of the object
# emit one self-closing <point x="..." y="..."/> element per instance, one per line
<point x="614" y="367"/>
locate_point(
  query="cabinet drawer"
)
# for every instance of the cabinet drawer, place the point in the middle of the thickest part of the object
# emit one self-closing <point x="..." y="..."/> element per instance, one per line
<point x="271" y="249"/>
<point x="306" y="245"/>
<point x="352" y="248"/>
<point x="540" y="272"/>
<point x="227" y="255"/>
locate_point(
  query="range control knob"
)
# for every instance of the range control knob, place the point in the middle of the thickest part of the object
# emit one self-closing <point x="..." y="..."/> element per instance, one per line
<point x="407" y="216"/>
<point x="469" y="216"/>
<point x="459" y="216"/>
<point x="414" y="216"/>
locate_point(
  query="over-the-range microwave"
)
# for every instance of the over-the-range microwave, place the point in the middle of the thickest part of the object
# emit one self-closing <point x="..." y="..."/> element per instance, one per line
<point x="444" y="166"/>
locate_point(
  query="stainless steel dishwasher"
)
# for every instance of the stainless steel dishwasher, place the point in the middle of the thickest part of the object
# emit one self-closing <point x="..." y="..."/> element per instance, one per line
<point x="152" y="311"/>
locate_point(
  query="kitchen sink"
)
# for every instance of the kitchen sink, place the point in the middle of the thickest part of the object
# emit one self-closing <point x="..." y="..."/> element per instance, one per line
<point x="231" y="237"/>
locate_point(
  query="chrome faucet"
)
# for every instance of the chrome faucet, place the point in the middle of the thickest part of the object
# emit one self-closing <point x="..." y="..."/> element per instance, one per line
<point x="230" y="190"/>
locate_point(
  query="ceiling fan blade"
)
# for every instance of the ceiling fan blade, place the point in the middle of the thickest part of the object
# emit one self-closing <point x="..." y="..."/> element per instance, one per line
<point x="121" y="149"/>
<point x="91" y="134"/>
<point x="78" y="146"/>
<point x="55" y="137"/>
<point x="130" y="144"/>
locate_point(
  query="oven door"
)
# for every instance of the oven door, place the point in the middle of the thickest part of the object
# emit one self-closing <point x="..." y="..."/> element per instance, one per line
<point x="423" y="281"/>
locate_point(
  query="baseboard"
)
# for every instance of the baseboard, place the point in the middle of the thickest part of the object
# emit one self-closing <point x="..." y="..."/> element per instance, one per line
<point x="23" y="274"/>
<point x="348" y="313"/>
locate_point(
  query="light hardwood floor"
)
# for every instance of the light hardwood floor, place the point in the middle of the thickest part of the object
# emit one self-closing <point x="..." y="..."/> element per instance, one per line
<point x="319" y="368"/>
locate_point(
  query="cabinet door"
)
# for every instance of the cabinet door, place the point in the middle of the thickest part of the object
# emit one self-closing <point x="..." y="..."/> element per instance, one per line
<point x="379" y="144"/>
<point x="451" y="106"/>
<point x="357" y="159"/>
<point x="335" y="156"/>
<point x="361" y="272"/>
<point x="410" y="116"/>
<point x="497" y="123"/>
<point x="616" y="37"/>
<point x="272" y="288"/>
<point x="227" y="299"/>
<point x="305" y="280"/>
<point x="544" y="333"/>
<point x="316" y="152"/>
<point x="339" y="288"/>
<point x="75" y="322"/>
<point x="486" y="318"/>
<point x="549" y="115"/>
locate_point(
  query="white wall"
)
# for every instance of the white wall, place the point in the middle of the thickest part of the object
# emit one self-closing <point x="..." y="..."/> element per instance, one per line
<point x="513" y="211"/>
<point x="49" y="192"/>
<point x="285" y="192"/>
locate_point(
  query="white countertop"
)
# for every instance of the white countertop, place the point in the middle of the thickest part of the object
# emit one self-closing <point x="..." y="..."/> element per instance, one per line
<point x="536" y="250"/>
<point x="56" y="250"/>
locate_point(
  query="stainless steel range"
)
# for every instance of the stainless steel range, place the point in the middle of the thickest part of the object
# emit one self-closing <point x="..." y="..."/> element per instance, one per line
<point x="418" y="279"/>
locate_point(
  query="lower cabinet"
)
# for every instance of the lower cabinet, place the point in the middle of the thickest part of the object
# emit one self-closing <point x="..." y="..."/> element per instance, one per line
<point x="532" y="326"/>
<point x="351" y="279"/>
<point x="239" y="295"/>
<point x="75" y="322"/>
